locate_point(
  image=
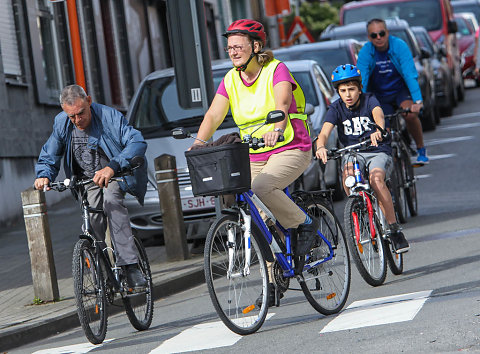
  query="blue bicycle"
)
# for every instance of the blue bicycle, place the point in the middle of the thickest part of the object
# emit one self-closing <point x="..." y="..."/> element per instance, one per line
<point x="240" y="242"/>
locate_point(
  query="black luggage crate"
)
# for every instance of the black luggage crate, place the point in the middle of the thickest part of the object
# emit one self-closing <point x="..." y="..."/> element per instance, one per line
<point x="217" y="170"/>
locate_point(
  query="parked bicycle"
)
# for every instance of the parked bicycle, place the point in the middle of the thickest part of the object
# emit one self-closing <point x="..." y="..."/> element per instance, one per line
<point x="240" y="242"/>
<point x="365" y="223"/>
<point x="97" y="278"/>
<point x="404" y="190"/>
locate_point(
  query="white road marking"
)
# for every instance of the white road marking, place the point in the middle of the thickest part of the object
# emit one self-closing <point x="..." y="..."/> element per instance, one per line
<point x="447" y="140"/>
<point x="200" y="337"/>
<point x="465" y="115"/>
<point x="439" y="157"/>
<point x="459" y="126"/>
<point x="73" y="349"/>
<point x="373" y="312"/>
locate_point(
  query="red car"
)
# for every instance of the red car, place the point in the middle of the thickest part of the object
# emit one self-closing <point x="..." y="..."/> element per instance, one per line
<point x="466" y="44"/>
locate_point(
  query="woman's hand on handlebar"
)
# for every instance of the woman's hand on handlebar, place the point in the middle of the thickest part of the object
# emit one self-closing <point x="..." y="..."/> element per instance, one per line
<point x="102" y="177"/>
<point x="416" y="107"/>
<point x="271" y="138"/>
<point x="42" y="183"/>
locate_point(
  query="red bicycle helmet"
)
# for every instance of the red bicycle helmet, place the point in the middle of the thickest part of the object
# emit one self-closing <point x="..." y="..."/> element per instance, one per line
<point x="253" y="28"/>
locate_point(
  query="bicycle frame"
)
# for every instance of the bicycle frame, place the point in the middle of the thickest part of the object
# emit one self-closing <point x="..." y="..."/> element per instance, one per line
<point x="284" y="258"/>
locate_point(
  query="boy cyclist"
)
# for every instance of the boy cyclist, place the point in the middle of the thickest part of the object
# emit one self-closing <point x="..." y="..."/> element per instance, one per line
<point x="351" y="115"/>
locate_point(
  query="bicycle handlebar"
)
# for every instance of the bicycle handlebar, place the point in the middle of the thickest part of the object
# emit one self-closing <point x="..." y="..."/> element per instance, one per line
<point x="257" y="143"/>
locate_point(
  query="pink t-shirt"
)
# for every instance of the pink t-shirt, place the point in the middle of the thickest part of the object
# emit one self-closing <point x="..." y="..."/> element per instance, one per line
<point x="301" y="139"/>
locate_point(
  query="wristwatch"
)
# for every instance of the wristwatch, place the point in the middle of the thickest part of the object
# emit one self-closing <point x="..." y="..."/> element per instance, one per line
<point x="279" y="130"/>
<point x="419" y="102"/>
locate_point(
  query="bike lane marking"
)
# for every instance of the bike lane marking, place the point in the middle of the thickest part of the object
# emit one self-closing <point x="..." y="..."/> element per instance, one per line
<point x="201" y="337"/>
<point x="73" y="349"/>
<point x="442" y="141"/>
<point x="379" y="311"/>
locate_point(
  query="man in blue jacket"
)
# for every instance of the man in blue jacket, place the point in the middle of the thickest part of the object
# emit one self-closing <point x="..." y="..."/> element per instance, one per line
<point x="97" y="142"/>
<point x="388" y="71"/>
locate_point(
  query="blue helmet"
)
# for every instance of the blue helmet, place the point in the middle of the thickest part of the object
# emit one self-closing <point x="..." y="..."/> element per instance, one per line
<point x="344" y="73"/>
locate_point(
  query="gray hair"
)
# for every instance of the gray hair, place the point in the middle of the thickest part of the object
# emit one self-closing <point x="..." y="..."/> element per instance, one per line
<point x="71" y="93"/>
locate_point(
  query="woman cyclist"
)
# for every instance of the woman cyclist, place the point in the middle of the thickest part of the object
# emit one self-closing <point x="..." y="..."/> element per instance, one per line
<point x="351" y="115"/>
<point x="256" y="85"/>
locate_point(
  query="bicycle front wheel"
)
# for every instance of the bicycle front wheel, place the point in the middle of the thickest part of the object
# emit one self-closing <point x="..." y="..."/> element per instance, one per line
<point x="367" y="251"/>
<point x="89" y="292"/>
<point x="139" y="305"/>
<point x="326" y="274"/>
<point x="238" y="292"/>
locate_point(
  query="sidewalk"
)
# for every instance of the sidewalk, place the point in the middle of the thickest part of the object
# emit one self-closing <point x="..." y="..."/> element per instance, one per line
<point x="23" y="322"/>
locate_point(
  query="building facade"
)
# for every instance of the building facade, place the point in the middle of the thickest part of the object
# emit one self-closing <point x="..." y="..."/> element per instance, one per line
<point x="122" y="41"/>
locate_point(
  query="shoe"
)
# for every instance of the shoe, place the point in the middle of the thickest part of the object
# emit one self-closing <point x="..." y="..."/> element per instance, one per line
<point x="273" y="297"/>
<point x="422" y="158"/>
<point x="307" y="233"/>
<point x="135" y="278"/>
<point x="399" y="242"/>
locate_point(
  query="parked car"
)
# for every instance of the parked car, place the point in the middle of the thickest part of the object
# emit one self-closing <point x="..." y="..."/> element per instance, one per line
<point x="401" y="29"/>
<point x="444" y="86"/>
<point x="155" y="111"/>
<point x="472" y="6"/>
<point x="435" y="15"/>
<point x="467" y="27"/>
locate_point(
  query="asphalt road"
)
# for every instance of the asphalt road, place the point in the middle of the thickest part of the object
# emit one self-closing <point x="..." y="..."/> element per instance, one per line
<point x="434" y="306"/>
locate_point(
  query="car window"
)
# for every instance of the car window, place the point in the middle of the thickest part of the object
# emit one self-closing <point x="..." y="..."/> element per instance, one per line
<point x="463" y="28"/>
<point x="157" y="110"/>
<point x="328" y="59"/>
<point x="305" y="81"/>
<point x="425" y="13"/>
<point x="325" y="85"/>
<point x="467" y="8"/>
<point x="422" y="39"/>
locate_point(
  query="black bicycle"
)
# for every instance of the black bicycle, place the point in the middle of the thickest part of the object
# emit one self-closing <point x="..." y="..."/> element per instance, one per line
<point x="98" y="279"/>
<point x="404" y="190"/>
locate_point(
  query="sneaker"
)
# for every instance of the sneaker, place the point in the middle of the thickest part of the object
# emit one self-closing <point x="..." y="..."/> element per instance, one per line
<point x="307" y="233"/>
<point x="422" y="158"/>
<point x="135" y="278"/>
<point x="273" y="297"/>
<point x="399" y="242"/>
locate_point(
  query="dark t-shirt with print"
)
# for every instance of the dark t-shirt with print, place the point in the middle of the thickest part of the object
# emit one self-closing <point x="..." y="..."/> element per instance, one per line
<point x="353" y="124"/>
<point x="86" y="160"/>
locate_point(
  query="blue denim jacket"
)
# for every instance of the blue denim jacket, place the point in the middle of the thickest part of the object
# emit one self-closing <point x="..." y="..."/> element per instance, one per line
<point x="110" y="130"/>
<point x="400" y="55"/>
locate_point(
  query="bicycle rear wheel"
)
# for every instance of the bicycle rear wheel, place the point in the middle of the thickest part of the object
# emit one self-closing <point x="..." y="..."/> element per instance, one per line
<point x="395" y="260"/>
<point x="89" y="292"/>
<point x="239" y="295"/>
<point x="397" y="181"/>
<point x="326" y="285"/>
<point x="367" y="252"/>
<point x="139" y="305"/>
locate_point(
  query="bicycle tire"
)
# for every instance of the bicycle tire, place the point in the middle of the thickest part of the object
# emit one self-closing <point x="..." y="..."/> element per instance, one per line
<point x="411" y="186"/>
<point x="395" y="260"/>
<point x="89" y="292"/>
<point x="368" y="255"/>
<point x="327" y="285"/>
<point x="397" y="189"/>
<point x="139" y="306"/>
<point x="240" y="301"/>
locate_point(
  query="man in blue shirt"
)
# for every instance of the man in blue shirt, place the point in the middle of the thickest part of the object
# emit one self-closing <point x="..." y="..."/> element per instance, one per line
<point x="96" y="142"/>
<point x="388" y="71"/>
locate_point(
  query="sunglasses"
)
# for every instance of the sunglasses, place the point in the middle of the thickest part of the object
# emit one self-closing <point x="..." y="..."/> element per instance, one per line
<point x="374" y="35"/>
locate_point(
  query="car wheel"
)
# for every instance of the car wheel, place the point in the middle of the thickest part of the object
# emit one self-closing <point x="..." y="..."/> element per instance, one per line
<point x="461" y="91"/>
<point x="428" y="119"/>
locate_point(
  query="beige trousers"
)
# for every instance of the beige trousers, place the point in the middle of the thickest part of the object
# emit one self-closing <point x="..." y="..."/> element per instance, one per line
<point x="270" y="177"/>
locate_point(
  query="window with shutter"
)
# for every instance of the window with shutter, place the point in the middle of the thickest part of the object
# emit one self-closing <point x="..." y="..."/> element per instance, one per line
<point x="8" y="41"/>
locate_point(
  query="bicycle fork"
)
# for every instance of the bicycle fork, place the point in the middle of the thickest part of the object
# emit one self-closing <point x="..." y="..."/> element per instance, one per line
<point x="356" y="221"/>
<point x="247" y="236"/>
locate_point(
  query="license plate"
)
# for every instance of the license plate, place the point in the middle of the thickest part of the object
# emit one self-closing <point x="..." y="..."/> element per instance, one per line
<point x="196" y="203"/>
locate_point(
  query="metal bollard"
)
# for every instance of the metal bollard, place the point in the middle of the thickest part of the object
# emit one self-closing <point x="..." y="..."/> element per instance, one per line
<point x="44" y="275"/>
<point x="171" y="208"/>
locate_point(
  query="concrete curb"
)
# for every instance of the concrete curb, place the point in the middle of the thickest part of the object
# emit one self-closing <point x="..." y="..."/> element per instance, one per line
<point x="29" y="333"/>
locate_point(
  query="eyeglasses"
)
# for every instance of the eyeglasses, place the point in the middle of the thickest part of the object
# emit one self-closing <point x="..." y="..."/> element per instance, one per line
<point x="234" y="48"/>
<point x="374" y="35"/>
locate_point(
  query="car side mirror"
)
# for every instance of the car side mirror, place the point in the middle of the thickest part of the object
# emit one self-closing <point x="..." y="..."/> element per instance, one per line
<point x="275" y="117"/>
<point x="452" y="27"/>
<point x="424" y="53"/>
<point x="309" y="109"/>
<point x="180" y="133"/>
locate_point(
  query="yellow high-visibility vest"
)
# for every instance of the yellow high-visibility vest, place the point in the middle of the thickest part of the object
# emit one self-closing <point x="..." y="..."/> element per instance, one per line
<point x="250" y="104"/>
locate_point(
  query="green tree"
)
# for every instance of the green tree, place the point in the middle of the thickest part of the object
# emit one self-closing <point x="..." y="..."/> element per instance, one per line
<point x="315" y="15"/>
